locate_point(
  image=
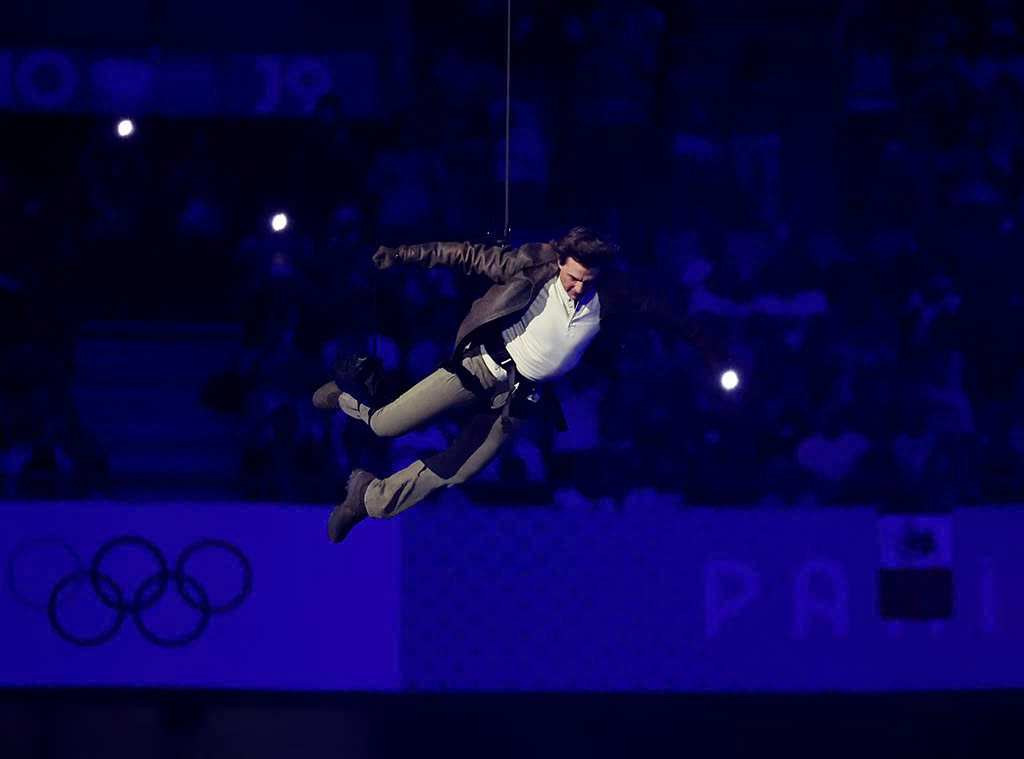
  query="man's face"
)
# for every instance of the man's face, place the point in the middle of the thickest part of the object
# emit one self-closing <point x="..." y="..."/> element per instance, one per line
<point x="576" y="278"/>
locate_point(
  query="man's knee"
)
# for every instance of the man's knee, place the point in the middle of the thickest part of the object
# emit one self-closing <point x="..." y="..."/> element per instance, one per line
<point x="447" y="464"/>
<point x="455" y="480"/>
<point x="381" y="426"/>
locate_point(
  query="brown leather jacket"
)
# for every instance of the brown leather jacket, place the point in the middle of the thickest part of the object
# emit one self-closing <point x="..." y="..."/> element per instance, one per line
<point x="518" y="272"/>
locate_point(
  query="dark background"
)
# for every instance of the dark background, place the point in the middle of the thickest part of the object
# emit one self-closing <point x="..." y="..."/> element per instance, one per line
<point x="835" y="192"/>
<point x="835" y="189"/>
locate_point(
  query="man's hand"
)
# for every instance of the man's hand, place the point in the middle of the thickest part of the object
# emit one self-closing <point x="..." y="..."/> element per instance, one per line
<point x="385" y="258"/>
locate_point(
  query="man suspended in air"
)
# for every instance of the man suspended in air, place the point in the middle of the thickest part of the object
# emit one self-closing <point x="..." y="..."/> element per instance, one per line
<point x="547" y="303"/>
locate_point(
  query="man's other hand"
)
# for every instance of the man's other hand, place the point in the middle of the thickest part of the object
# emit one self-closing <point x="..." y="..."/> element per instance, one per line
<point x="385" y="258"/>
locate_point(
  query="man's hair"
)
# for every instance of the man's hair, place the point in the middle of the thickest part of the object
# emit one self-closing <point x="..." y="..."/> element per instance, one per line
<point x="585" y="246"/>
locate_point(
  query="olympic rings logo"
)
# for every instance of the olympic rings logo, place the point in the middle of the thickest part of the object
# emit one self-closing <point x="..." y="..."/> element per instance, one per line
<point x="148" y="592"/>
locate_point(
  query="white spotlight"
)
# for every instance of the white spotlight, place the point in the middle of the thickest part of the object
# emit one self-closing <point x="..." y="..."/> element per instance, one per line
<point x="279" y="222"/>
<point x="730" y="380"/>
<point x="125" y="127"/>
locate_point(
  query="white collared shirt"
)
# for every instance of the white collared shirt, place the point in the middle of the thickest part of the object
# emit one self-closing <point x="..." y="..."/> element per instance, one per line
<point x="550" y="337"/>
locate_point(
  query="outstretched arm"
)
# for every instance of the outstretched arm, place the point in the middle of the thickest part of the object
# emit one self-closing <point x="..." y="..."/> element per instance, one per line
<point x="496" y="263"/>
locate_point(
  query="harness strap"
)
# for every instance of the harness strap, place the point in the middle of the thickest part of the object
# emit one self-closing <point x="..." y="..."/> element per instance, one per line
<point x="496" y="350"/>
<point x="511" y="370"/>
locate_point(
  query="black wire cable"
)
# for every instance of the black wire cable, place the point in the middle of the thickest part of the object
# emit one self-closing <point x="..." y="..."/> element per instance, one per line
<point x="508" y="103"/>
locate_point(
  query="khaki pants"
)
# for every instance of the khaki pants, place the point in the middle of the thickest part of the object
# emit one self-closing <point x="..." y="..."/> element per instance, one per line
<point x="476" y="446"/>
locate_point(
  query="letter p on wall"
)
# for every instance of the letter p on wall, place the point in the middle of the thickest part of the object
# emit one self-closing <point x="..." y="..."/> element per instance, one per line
<point x="729" y="586"/>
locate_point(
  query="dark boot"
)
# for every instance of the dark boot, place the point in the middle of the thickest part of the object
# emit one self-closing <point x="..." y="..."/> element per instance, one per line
<point x="362" y="377"/>
<point x="352" y="510"/>
<point x="327" y="396"/>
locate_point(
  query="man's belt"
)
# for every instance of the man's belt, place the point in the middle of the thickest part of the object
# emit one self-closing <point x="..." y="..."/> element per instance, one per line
<point x="517" y="383"/>
<point x="496" y="349"/>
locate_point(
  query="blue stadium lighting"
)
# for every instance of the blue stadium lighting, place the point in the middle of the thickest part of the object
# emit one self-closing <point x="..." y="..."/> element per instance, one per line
<point x="730" y="380"/>
<point x="279" y="222"/>
<point x="125" y="128"/>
